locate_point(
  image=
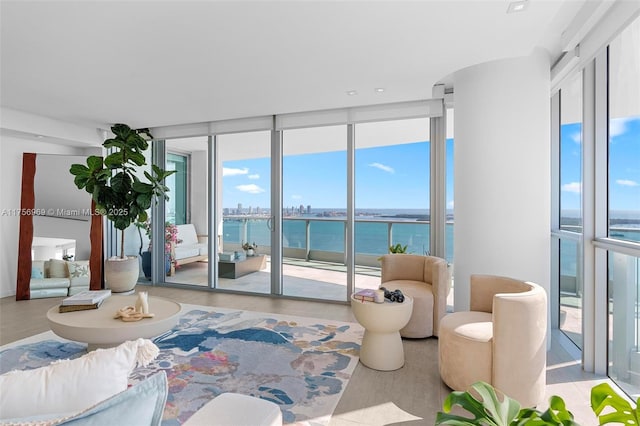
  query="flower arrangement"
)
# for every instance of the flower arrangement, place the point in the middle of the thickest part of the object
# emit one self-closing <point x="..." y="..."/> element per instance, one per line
<point x="170" y="236"/>
<point x="247" y="246"/>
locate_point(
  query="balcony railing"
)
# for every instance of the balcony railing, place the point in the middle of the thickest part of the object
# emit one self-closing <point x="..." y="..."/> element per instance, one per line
<point x="324" y="239"/>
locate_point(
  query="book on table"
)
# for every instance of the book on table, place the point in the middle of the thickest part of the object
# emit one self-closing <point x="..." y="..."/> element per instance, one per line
<point x="75" y="308"/>
<point x="366" y="295"/>
<point x="88" y="297"/>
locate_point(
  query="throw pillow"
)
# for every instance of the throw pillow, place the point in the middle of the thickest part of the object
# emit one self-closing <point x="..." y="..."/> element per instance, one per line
<point x="79" y="273"/>
<point x="68" y="386"/>
<point x="141" y="404"/>
<point x="58" y="269"/>
<point x="37" y="269"/>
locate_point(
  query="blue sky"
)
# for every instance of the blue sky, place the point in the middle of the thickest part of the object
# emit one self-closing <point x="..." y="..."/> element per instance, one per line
<point x="397" y="176"/>
<point x="624" y="165"/>
<point x="388" y="177"/>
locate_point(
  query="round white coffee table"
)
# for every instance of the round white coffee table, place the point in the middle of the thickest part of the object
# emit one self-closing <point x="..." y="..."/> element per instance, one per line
<point x="381" y="347"/>
<point x="99" y="328"/>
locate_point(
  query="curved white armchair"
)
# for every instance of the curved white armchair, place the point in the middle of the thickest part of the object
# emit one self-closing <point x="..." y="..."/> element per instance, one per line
<point x="424" y="278"/>
<point x="501" y="341"/>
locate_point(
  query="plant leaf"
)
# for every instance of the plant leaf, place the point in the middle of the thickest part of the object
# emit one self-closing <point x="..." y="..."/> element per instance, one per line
<point x="603" y="396"/>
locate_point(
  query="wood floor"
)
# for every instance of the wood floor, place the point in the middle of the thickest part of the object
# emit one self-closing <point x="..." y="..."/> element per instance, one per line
<point x="411" y="395"/>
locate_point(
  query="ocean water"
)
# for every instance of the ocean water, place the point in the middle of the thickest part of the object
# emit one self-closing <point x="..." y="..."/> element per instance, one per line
<point x="371" y="235"/>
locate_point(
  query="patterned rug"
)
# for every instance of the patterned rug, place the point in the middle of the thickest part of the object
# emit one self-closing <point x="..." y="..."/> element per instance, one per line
<point x="301" y="364"/>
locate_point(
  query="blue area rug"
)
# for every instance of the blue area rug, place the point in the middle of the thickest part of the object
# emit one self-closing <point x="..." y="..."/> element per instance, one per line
<point x="301" y="364"/>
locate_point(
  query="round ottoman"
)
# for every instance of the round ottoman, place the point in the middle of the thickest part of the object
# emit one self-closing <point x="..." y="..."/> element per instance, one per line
<point x="465" y="349"/>
<point x="381" y="347"/>
<point x="234" y="409"/>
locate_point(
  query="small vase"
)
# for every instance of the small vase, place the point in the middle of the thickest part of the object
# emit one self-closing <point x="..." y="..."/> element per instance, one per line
<point x="250" y="252"/>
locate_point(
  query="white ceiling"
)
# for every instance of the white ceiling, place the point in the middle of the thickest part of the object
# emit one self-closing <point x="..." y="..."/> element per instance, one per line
<point x="155" y="63"/>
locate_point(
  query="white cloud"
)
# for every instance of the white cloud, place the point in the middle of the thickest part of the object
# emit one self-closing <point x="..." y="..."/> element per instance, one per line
<point x="625" y="182"/>
<point x="226" y="171"/>
<point x="296" y="197"/>
<point x="450" y="205"/>
<point x="577" y="137"/>
<point x="254" y="176"/>
<point x="575" y="187"/>
<point x="382" y="167"/>
<point x="251" y="188"/>
<point x="618" y="126"/>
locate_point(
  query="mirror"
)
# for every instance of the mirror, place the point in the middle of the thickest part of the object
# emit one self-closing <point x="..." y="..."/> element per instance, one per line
<point x="60" y="223"/>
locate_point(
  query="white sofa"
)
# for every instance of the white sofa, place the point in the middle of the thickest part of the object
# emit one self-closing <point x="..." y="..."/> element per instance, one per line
<point x="191" y="247"/>
<point x="58" y="278"/>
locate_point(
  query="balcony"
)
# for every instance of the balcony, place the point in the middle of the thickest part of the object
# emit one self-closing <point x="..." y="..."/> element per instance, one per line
<point x="314" y="259"/>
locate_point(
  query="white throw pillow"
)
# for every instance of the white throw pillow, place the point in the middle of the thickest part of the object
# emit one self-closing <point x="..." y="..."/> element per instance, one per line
<point x="79" y="273"/>
<point x="58" y="269"/>
<point x="72" y="385"/>
<point x="37" y="269"/>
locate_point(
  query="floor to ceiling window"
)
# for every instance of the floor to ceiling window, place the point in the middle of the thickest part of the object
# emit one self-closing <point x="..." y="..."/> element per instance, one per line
<point x="571" y="208"/>
<point x="624" y="207"/>
<point x="245" y="200"/>
<point x="314" y="203"/>
<point x="597" y="202"/>
<point x="391" y="190"/>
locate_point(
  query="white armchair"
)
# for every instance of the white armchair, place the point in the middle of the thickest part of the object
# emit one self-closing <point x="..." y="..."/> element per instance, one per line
<point x="501" y="340"/>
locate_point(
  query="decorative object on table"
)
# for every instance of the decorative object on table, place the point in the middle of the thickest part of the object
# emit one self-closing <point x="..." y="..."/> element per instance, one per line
<point x="393" y="296"/>
<point x="120" y="195"/>
<point x="142" y="304"/>
<point x="170" y="240"/>
<point x="87" y="297"/>
<point x="226" y="257"/>
<point x="75" y="308"/>
<point x="250" y="249"/>
<point x="130" y="314"/>
<point x="138" y="312"/>
<point x="369" y="295"/>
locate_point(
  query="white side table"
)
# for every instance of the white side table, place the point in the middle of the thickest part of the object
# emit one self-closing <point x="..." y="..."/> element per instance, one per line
<point x="382" y="345"/>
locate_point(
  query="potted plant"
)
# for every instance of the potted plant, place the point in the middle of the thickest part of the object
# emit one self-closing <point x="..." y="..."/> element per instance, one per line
<point x="398" y="249"/>
<point x="170" y="239"/>
<point x="250" y="248"/>
<point x="120" y="195"/>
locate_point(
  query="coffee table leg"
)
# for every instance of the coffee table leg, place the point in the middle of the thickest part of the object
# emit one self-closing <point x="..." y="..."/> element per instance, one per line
<point x="382" y="351"/>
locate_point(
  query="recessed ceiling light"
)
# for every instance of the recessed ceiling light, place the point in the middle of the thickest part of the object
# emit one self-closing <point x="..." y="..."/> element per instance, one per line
<point x="517" y="6"/>
<point x="352" y="92"/>
<point x="39" y="136"/>
<point x="379" y="89"/>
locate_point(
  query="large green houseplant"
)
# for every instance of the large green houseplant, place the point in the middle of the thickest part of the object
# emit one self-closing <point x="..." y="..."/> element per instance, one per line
<point x="484" y="406"/>
<point x="120" y="194"/>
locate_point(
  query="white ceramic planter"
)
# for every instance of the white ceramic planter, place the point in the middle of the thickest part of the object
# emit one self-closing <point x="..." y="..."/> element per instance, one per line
<point x="121" y="275"/>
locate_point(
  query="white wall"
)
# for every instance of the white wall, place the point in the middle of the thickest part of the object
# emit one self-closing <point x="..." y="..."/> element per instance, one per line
<point x="502" y="172"/>
<point x="11" y="149"/>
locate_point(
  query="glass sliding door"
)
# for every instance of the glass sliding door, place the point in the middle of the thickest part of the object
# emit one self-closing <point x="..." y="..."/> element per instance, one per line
<point x="392" y="165"/>
<point x="244" y="168"/>
<point x="571" y="284"/>
<point x="314" y="197"/>
<point x="186" y="212"/>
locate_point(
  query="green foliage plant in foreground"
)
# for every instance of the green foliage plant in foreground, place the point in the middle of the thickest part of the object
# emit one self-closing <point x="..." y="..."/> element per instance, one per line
<point x="487" y="408"/>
